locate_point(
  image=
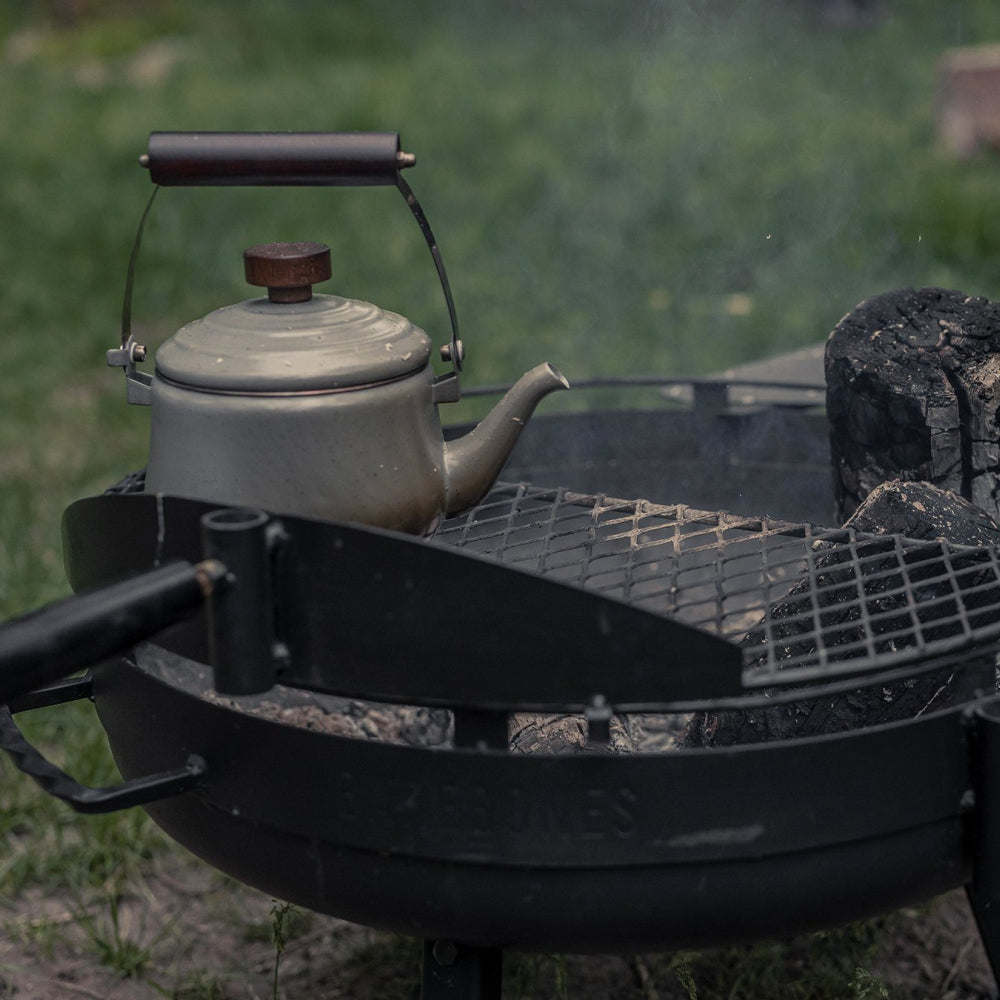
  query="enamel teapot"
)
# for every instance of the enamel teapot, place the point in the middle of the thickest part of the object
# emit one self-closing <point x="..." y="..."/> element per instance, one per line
<point x="311" y="404"/>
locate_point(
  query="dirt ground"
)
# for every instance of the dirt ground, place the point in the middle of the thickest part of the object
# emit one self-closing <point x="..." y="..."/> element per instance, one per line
<point x="937" y="955"/>
<point x="188" y="933"/>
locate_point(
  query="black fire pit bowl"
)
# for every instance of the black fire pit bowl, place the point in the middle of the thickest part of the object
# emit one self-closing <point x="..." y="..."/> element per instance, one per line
<point x="590" y="851"/>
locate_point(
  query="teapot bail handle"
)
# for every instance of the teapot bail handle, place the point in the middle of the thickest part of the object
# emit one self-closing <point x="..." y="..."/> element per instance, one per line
<point x="310" y="159"/>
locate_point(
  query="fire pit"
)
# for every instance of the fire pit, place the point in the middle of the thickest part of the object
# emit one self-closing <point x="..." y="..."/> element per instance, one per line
<point x="566" y="600"/>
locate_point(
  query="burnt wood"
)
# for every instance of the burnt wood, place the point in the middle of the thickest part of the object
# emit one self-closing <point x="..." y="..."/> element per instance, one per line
<point x="921" y="510"/>
<point x="913" y="394"/>
<point x="917" y="510"/>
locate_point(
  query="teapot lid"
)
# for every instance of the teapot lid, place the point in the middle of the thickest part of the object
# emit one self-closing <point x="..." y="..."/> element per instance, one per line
<point x="292" y="340"/>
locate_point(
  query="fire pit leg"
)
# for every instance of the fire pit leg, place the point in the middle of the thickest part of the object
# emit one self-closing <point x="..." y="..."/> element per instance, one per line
<point x="454" y="971"/>
<point x="988" y="922"/>
<point x="461" y="972"/>
<point x="984" y="888"/>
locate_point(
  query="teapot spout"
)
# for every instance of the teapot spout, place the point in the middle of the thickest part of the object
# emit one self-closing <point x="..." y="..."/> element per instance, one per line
<point x="473" y="462"/>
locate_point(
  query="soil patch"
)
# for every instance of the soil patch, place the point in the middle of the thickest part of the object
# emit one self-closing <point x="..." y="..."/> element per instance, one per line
<point x="189" y="933"/>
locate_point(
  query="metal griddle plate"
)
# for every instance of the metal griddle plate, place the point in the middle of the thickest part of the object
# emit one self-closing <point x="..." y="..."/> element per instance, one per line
<point x="372" y="614"/>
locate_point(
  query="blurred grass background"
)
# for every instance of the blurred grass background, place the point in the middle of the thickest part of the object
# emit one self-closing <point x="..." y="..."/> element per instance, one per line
<point x="652" y="186"/>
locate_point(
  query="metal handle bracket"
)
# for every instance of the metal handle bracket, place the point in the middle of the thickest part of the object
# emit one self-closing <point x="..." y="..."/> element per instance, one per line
<point x="57" y="783"/>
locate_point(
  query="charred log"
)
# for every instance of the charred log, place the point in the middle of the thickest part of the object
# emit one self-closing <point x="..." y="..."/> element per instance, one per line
<point x="913" y="393"/>
<point x="918" y="510"/>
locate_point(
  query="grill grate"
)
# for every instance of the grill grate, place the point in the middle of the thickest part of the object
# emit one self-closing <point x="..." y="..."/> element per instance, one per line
<point x="804" y="602"/>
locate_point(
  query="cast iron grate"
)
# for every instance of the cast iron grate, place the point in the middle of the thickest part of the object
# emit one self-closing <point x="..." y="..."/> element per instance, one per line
<point x="804" y="602"/>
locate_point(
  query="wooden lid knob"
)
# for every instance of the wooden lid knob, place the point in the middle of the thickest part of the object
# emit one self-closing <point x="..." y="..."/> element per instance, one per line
<point x="287" y="270"/>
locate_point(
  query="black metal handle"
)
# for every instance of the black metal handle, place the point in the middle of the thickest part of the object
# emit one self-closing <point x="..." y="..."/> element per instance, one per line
<point x="77" y="632"/>
<point x="275" y="158"/>
<point x="57" y="783"/>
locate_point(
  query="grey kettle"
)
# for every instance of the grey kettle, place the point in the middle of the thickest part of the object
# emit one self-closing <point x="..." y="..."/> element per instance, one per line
<point x="309" y="404"/>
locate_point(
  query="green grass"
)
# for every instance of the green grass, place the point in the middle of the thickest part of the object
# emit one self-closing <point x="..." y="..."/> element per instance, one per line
<point x="629" y="187"/>
<point x="44" y="841"/>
